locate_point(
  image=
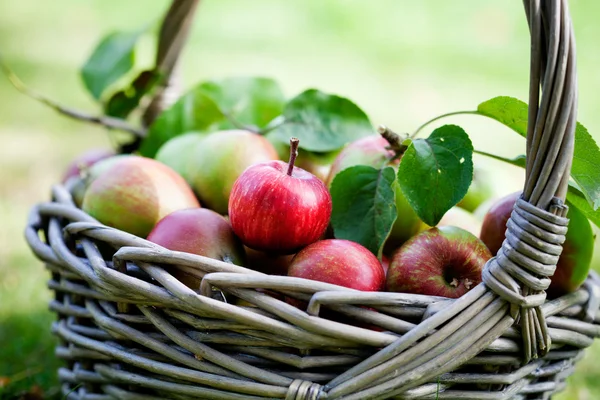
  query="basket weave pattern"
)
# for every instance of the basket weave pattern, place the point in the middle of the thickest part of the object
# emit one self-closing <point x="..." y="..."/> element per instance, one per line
<point x="129" y="330"/>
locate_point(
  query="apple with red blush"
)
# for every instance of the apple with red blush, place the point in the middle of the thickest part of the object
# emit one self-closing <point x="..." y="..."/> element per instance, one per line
<point x="279" y="208"/>
<point x="445" y="261"/>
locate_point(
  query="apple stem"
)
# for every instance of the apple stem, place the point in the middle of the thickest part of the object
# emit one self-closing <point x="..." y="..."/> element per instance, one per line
<point x="393" y="139"/>
<point x="293" y="154"/>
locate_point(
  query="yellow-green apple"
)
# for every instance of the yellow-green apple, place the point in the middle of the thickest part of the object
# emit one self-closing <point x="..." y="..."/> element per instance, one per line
<point x="480" y="190"/>
<point x="340" y="262"/>
<point x="374" y="151"/>
<point x="177" y="153"/>
<point x="445" y="261"/>
<point x="318" y="164"/>
<point x="198" y="231"/>
<point x="220" y="158"/>
<point x="84" y="162"/>
<point x="458" y="217"/>
<point x="575" y="260"/>
<point x="134" y="193"/>
<point x="276" y="207"/>
<point x="78" y="185"/>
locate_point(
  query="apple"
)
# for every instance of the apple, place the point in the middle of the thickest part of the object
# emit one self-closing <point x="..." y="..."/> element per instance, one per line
<point x="373" y="151"/>
<point x="493" y="228"/>
<point x="134" y="193"/>
<point x="220" y="158"/>
<point x="385" y="263"/>
<point x="198" y="231"/>
<point x="460" y="218"/>
<point x="480" y="190"/>
<point x="272" y="264"/>
<point x="575" y="260"/>
<point x="276" y="207"/>
<point x="318" y="164"/>
<point x="177" y="153"/>
<point x="340" y="262"/>
<point x="78" y="185"/>
<point x="445" y="261"/>
<point x="85" y="161"/>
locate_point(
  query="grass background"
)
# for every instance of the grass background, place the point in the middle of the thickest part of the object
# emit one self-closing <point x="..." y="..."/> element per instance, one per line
<point x="402" y="61"/>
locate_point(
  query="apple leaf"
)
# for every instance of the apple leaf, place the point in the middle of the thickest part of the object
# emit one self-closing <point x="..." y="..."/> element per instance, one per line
<point x="252" y="102"/>
<point x="577" y="199"/>
<point x="215" y="105"/>
<point x="435" y="173"/>
<point x="323" y="122"/>
<point x="586" y="155"/>
<point x="194" y="111"/>
<point x="111" y="59"/>
<point x="586" y="166"/>
<point x="123" y="102"/>
<point x="508" y="111"/>
<point x="364" y="206"/>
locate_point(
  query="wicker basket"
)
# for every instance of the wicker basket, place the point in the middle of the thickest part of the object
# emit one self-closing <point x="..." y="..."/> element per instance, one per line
<point x="129" y="330"/>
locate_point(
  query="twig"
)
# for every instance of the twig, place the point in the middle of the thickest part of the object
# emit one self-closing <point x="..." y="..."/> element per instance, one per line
<point x="106" y="121"/>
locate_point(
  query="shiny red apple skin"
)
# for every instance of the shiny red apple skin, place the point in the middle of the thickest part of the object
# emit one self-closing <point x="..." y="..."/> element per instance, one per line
<point x="339" y="262"/>
<point x="493" y="228"/>
<point x="85" y="160"/>
<point x="445" y="261"/>
<point x="575" y="260"/>
<point x="274" y="212"/>
<point x="199" y="231"/>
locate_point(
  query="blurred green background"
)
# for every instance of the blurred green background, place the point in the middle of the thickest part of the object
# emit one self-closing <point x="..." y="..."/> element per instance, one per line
<point x="403" y="62"/>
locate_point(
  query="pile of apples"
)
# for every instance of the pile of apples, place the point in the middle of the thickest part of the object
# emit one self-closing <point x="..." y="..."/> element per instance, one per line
<point x="228" y="196"/>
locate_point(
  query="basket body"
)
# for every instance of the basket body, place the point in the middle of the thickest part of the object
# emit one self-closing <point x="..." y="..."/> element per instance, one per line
<point x="129" y="330"/>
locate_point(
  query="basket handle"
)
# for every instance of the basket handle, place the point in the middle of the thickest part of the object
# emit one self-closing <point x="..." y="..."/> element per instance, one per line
<point x="535" y="232"/>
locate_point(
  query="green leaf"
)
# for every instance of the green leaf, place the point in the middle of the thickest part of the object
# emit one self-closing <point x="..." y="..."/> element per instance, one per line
<point x="435" y="173"/>
<point x="586" y="166"/>
<point x="215" y="105"/>
<point x="364" y="206"/>
<point x="123" y="102"/>
<point x="252" y="102"/>
<point x="577" y="199"/>
<point x="113" y="57"/>
<point x="323" y="122"/>
<point x="508" y="111"/>
<point x="586" y="155"/>
<point x="194" y="111"/>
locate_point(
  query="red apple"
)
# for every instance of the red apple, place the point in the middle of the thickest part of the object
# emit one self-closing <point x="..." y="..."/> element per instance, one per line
<point x="198" y="231"/>
<point x="385" y="263"/>
<point x="373" y="151"/>
<point x="575" y="260"/>
<point x="268" y="263"/>
<point x="85" y="161"/>
<point x="445" y="261"/>
<point x="134" y="193"/>
<point x="340" y="262"/>
<point x="276" y="207"/>
<point x="219" y="158"/>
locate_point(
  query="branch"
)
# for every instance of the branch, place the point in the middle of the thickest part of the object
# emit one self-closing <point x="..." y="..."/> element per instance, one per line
<point x="174" y="32"/>
<point x="108" y="122"/>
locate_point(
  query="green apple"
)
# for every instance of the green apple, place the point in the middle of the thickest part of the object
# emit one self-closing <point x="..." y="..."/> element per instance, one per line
<point x="177" y="153"/>
<point x="481" y="189"/>
<point x="220" y="158"/>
